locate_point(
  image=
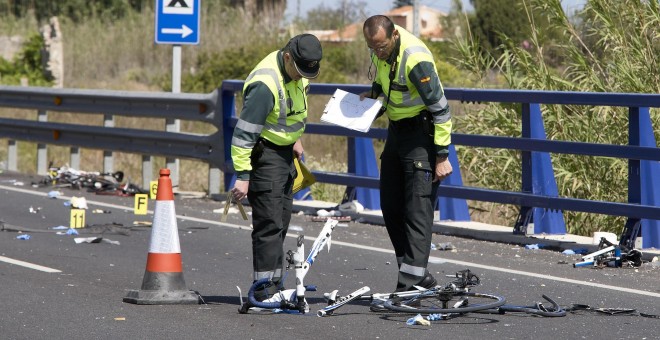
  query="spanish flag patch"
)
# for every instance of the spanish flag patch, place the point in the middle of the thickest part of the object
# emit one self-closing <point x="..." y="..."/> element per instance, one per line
<point x="425" y="79"/>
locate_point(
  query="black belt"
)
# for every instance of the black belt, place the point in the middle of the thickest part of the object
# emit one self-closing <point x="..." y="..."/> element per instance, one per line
<point x="406" y="123"/>
<point x="274" y="146"/>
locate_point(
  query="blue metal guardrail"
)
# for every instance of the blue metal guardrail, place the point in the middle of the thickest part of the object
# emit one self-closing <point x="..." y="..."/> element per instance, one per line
<point x="538" y="199"/>
<point x="136" y="139"/>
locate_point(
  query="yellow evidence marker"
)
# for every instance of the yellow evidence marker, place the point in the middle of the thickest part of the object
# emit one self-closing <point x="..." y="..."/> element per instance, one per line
<point x="153" y="189"/>
<point x="77" y="219"/>
<point x="141" y="204"/>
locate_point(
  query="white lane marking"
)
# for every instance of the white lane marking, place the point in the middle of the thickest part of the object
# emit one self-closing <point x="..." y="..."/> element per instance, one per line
<point x="432" y="259"/>
<point x="29" y="265"/>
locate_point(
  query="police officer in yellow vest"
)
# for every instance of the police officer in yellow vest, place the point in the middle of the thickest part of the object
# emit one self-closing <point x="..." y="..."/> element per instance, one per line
<point x="414" y="159"/>
<point x="265" y="140"/>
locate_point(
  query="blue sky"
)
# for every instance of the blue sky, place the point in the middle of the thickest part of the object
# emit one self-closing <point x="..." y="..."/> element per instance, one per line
<point x="381" y="6"/>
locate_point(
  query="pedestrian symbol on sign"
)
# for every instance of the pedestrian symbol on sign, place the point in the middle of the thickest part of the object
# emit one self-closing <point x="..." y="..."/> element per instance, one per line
<point x="178" y="7"/>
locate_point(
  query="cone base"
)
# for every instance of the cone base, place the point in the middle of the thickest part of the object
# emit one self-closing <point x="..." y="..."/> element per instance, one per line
<point x="160" y="297"/>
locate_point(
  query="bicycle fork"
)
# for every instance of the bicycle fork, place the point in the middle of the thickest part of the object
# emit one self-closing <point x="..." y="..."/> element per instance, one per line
<point x="301" y="267"/>
<point x="302" y="264"/>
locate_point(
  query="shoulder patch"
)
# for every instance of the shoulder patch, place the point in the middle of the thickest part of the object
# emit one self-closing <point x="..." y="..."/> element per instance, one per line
<point x="425" y="79"/>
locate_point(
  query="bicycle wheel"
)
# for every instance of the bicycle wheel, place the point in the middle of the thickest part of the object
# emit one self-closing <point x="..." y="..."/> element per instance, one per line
<point x="534" y="310"/>
<point x="442" y="302"/>
<point x="538" y="309"/>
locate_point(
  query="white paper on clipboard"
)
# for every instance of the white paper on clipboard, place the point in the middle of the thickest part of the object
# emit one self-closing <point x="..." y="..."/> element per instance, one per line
<point x="347" y="110"/>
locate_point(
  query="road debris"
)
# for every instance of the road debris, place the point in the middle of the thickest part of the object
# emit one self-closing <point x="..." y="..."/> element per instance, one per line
<point x="54" y="194"/>
<point x="80" y="240"/>
<point x="418" y="320"/>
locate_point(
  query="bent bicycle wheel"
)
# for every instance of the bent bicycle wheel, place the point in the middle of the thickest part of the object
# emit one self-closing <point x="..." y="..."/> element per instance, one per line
<point x="538" y="309"/>
<point x="464" y="302"/>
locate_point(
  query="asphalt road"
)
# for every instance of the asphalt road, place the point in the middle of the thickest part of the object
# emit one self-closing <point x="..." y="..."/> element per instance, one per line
<point x="83" y="299"/>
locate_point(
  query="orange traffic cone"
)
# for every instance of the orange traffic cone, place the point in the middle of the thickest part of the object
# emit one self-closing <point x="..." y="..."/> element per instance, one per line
<point x="163" y="279"/>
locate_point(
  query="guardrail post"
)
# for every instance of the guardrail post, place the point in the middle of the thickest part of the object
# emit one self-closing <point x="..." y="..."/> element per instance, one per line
<point x="643" y="183"/>
<point x="538" y="178"/>
<point x="228" y="99"/>
<point x="12" y="155"/>
<point x="214" y="180"/>
<point x="173" y="125"/>
<point x="215" y="172"/>
<point x="365" y="165"/>
<point x="147" y="170"/>
<point x="74" y="157"/>
<point x="351" y="160"/>
<point x="362" y="162"/>
<point x="549" y="221"/>
<point x="108" y="162"/>
<point x="525" y="215"/>
<point x="650" y="182"/>
<point x="42" y="151"/>
<point x="455" y="209"/>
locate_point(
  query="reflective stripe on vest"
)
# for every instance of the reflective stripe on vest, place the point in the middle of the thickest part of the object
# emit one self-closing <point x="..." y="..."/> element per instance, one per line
<point x="280" y="92"/>
<point x="408" y="102"/>
<point x="273" y="131"/>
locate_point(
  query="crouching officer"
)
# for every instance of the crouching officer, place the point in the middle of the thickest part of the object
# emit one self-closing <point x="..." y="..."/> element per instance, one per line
<point x="265" y="140"/>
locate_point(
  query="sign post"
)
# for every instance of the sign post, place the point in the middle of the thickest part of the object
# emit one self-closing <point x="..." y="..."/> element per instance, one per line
<point x="177" y="22"/>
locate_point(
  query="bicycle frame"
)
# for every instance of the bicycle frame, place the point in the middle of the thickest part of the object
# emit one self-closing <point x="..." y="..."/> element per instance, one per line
<point x="446" y="308"/>
<point x="464" y="280"/>
<point x="285" y="299"/>
<point x="302" y="264"/>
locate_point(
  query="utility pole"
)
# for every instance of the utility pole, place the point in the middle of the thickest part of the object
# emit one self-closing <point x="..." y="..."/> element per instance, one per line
<point x="298" y="10"/>
<point x="416" y="18"/>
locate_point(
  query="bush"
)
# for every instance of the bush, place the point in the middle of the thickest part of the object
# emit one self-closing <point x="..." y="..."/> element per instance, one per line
<point x="26" y="65"/>
<point x="212" y="68"/>
<point x="614" y="27"/>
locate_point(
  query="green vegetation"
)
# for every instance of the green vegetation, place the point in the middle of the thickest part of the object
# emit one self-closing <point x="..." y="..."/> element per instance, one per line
<point x="26" y="65"/>
<point x="75" y="10"/>
<point x="613" y="48"/>
<point x="326" y="18"/>
<point x="401" y="3"/>
<point x="610" y="46"/>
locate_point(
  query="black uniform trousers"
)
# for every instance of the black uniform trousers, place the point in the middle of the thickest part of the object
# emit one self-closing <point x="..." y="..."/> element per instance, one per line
<point x="269" y="193"/>
<point x="407" y="195"/>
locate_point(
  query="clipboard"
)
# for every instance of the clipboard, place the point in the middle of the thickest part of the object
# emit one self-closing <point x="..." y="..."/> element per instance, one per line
<point x="304" y="177"/>
<point x="347" y="110"/>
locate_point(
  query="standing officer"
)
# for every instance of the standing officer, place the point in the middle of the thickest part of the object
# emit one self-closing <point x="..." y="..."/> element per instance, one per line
<point x="265" y="140"/>
<point x="414" y="159"/>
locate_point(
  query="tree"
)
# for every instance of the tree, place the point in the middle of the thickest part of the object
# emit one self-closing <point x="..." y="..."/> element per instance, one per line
<point x="454" y="24"/>
<point x="268" y="13"/>
<point x="494" y="18"/>
<point x="327" y="18"/>
<point x="27" y="65"/>
<point x="401" y="3"/>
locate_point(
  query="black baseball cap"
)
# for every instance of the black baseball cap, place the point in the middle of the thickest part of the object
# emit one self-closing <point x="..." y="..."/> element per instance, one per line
<point x="307" y="54"/>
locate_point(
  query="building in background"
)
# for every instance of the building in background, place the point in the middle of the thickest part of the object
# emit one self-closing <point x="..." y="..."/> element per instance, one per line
<point x="429" y="25"/>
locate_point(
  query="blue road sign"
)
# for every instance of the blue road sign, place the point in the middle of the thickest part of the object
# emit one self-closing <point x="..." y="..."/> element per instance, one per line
<point x="177" y="21"/>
